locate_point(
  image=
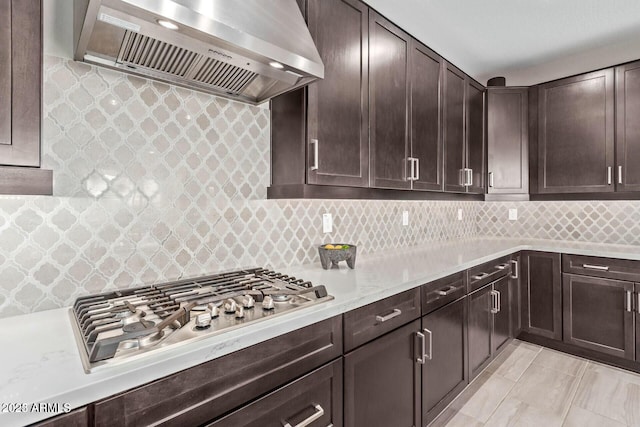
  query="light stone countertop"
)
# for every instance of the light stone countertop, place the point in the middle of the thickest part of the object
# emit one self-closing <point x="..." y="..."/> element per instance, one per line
<point x="40" y="360"/>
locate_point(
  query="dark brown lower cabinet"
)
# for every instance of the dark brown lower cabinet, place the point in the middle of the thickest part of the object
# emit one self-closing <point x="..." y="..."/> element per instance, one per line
<point x="598" y="314"/>
<point x="516" y="276"/>
<point x="489" y="323"/>
<point x="445" y="372"/>
<point x="76" y="418"/>
<point x="382" y="381"/>
<point x="314" y="400"/>
<point x="541" y="294"/>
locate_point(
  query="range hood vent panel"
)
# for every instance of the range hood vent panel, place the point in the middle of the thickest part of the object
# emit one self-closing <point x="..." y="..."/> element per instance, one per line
<point x="203" y="54"/>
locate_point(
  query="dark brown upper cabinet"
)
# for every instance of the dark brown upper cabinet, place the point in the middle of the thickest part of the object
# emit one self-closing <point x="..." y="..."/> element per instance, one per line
<point x="463" y="132"/>
<point x="425" y="72"/>
<point x="507" y="141"/>
<point x="627" y="130"/>
<point x="320" y="134"/>
<point x="20" y="94"/>
<point x="576" y="134"/>
<point x="389" y="92"/>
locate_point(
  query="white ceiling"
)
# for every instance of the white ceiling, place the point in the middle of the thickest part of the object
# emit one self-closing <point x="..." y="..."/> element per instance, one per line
<point x="526" y="41"/>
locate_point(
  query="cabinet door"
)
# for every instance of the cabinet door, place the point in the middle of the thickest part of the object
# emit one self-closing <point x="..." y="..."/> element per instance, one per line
<point x="541" y="293"/>
<point x="445" y="373"/>
<point x="337" y="118"/>
<point x="389" y="92"/>
<point x="474" y="136"/>
<point x="502" y="314"/>
<point x="382" y="381"/>
<point x="627" y="129"/>
<point x="507" y="141"/>
<point x="453" y="128"/>
<point x="426" y="142"/>
<point x="20" y="82"/>
<point x="480" y="325"/>
<point x="576" y="134"/>
<point x="637" y="286"/>
<point x="316" y="399"/>
<point x="598" y="314"/>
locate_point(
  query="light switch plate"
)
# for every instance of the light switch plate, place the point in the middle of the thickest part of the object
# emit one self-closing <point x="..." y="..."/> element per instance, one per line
<point x="513" y="214"/>
<point x="459" y="214"/>
<point x="405" y="217"/>
<point x="327" y="223"/>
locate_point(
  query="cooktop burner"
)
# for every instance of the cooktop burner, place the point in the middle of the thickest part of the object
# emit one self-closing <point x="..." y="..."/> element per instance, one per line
<point x="117" y="325"/>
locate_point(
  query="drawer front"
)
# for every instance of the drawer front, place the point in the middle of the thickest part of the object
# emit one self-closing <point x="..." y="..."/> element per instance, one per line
<point x="609" y="268"/>
<point x="206" y="392"/>
<point x="366" y="323"/>
<point x="443" y="291"/>
<point x="313" y="400"/>
<point x="77" y="418"/>
<point x="488" y="272"/>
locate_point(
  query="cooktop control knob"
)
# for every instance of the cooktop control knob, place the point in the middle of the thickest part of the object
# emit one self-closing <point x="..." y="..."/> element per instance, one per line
<point x="230" y="306"/>
<point x="214" y="310"/>
<point x="248" y="301"/>
<point x="267" y="303"/>
<point x="240" y="312"/>
<point x="203" y="321"/>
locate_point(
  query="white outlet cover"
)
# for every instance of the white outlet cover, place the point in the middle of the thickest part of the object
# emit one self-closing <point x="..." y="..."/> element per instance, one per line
<point x="513" y="214"/>
<point x="459" y="214"/>
<point x="405" y="217"/>
<point x="327" y="223"/>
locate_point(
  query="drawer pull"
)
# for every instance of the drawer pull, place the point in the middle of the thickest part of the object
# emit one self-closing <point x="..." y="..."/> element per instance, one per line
<point x="480" y="276"/>
<point x="316" y="415"/>
<point x="395" y="313"/>
<point x="446" y="291"/>
<point x="596" y="267"/>
<point x="502" y="266"/>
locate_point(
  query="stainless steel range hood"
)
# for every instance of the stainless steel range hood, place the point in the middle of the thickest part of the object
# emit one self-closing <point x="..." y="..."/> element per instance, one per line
<point x="246" y="50"/>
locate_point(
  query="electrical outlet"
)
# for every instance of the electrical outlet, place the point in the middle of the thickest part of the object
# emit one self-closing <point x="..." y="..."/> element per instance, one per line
<point x="513" y="214"/>
<point x="459" y="214"/>
<point x="405" y="217"/>
<point x="327" y="223"/>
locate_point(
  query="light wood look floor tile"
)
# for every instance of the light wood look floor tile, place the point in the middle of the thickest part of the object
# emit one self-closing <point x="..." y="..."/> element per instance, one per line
<point x="561" y="362"/>
<point x="578" y="417"/>
<point x="513" y="412"/>
<point x="546" y="389"/>
<point x="609" y="392"/>
<point x="513" y="361"/>
<point x="484" y="395"/>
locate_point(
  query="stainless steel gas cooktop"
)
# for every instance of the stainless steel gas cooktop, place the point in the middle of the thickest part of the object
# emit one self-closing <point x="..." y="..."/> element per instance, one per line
<point x="114" y="326"/>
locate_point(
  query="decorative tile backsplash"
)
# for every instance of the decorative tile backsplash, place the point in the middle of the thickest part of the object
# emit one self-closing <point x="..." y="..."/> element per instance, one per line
<point x="153" y="182"/>
<point x="586" y="221"/>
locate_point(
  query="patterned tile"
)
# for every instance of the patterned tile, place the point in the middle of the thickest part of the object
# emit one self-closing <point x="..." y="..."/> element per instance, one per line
<point x="153" y="182"/>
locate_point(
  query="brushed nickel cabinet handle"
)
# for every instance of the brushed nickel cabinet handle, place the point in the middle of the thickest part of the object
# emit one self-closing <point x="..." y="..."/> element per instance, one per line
<point x="490" y="179"/>
<point x="499" y="301"/>
<point x="596" y="267"/>
<point x="620" y="174"/>
<point x="494" y="302"/>
<point x="417" y="169"/>
<point x="514" y="270"/>
<point x="470" y="172"/>
<point x="412" y="168"/>
<point x="423" y="348"/>
<point x="314" y="166"/>
<point x="319" y="412"/>
<point x="479" y="276"/>
<point x="609" y="175"/>
<point x="628" y="301"/>
<point x="502" y="266"/>
<point x="446" y="291"/>
<point x="395" y="313"/>
<point x="430" y="355"/>
<point x="462" y="177"/>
